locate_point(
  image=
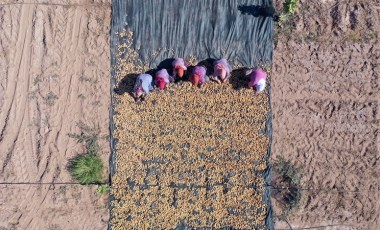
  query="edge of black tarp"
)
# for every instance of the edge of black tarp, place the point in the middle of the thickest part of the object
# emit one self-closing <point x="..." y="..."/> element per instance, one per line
<point x="269" y="221"/>
<point x="114" y="41"/>
<point x="118" y="23"/>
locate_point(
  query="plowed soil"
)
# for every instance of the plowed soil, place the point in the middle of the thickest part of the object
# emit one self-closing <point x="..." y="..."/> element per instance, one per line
<point x="54" y="68"/>
<point x="325" y="90"/>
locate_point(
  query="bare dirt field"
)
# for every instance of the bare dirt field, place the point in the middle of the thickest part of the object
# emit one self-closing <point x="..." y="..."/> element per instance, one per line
<point x="325" y="92"/>
<point x="54" y="81"/>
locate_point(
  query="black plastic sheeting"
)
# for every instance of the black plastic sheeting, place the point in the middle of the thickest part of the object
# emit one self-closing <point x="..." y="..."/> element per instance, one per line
<point x="269" y="132"/>
<point x="239" y="30"/>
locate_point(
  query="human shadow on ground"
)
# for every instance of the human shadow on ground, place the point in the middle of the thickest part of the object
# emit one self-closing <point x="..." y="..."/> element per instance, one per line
<point x="238" y="79"/>
<point x="126" y="84"/>
<point x="152" y="72"/>
<point x="166" y="64"/>
<point x="259" y="11"/>
<point x="186" y="76"/>
<point x="209" y="64"/>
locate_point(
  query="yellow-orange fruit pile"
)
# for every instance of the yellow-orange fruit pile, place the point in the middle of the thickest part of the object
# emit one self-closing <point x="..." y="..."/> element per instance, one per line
<point x="188" y="156"/>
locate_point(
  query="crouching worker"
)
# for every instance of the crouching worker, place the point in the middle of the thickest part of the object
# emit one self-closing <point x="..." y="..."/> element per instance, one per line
<point x="222" y="70"/>
<point x="258" y="79"/>
<point x="198" y="77"/>
<point x="143" y="85"/>
<point x="179" y="69"/>
<point x="162" y="79"/>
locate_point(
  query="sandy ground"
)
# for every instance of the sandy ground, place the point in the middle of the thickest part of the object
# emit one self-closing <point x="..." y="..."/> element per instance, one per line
<point x="326" y="96"/>
<point x="54" y="68"/>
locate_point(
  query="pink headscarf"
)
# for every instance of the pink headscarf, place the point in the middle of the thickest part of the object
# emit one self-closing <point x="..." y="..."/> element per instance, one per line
<point x="162" y="78"/>
<point x="256" y="75"/>
<point x="160" y="82"/>
<point x="221" y="69"/>
<point x="198" y="75"/>
<point x="179" y="67"/>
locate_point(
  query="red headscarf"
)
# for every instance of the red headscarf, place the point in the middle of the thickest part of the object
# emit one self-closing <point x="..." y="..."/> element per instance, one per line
<point x="180" y="71"/>
<point x="195" y="78"/>
<point x="160" y="83"/>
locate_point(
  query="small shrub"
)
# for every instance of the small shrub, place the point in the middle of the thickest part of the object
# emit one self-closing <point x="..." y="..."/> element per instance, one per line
<point x="283" y="17"/>
<point x="87" y="169"/>
<point x="287" y="170"/>
<point x="90" y="141"/>
<point x="353" y="37"/>
<point x="88" y="79"/>
<point x="37" y="80"/>
<point x="103" y="188"/>
<point x="290" y="6"/>
<point x="311" y="37"/>
<point x="92" y="145"/>
<point x="287" y="191"/>
<point x="50" y="98"/>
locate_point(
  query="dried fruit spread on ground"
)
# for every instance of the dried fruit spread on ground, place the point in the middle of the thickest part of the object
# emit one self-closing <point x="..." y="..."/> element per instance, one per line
<point x="187" y="156"/>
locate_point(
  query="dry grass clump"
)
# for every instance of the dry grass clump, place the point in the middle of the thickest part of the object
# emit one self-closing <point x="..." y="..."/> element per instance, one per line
<point x="186" y="155"/>
<point x="87" y="169"/>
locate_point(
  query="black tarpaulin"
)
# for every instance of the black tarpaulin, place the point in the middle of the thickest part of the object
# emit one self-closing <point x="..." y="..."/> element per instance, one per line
<point x="240" y="30"/>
